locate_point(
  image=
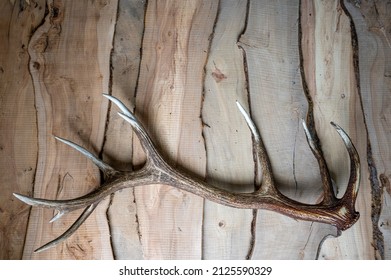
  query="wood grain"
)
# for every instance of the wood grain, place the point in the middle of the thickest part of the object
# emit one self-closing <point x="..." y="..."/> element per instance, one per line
<point x="230" y="163"/>
<point x="69" y="64"/>
<point x="117" y="150"/>
<point x="18" y="125"/>
<point x="372" y="23"/>
<point x="181" y="65"/>
<point x="168" y="102"/>
<point x="278" y="103"/>
<point x="334" y="90"/>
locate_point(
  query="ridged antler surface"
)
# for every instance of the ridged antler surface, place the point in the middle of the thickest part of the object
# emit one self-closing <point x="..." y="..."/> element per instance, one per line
<point x="339" y="212"/>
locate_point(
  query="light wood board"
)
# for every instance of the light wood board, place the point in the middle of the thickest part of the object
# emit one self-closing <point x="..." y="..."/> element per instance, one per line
<point x="181" y="66"/>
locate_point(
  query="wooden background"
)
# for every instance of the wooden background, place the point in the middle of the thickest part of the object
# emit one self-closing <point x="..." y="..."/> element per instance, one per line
<point x="181" y="65"/>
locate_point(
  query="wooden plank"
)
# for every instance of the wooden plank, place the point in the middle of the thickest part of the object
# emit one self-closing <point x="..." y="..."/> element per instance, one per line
<point x="185" y="98"/>
<point x="230" y="163"/>
<point x="372" y="20"/>
<point x="18" y="144"/>
<point x="334" y="90"/>
<point x="278" y="103"/>
<point x="117" y="151"/>
<point x="168" y="102"/>
<point x="69" y="65"/>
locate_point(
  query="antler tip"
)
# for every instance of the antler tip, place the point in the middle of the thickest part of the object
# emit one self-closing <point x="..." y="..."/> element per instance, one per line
<point x="336" y="126"/>
<point x="43" y="248"/>
<point x="250" y="123"/>
<point x="23" y="198"/>
<point x="120" y="105"/>
<point x="57" y="216"/>
<point x="59" y="139"/>
<point x="241" y="109"/>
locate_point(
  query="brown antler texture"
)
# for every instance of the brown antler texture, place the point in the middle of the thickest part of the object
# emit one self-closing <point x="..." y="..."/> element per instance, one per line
<point x="339" y="212"/>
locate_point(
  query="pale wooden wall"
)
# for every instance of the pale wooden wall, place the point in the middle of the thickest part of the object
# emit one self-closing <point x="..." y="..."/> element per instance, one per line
<point x="181" y="65"/>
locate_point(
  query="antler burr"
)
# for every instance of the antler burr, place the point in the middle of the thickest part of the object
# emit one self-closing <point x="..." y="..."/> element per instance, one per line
<point x="339" y="212"/>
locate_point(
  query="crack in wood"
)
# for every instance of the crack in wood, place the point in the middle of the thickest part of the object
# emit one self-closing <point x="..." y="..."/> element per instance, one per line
<point x="253" y="235"/>
<point x="302" y="251"/>
<point x="109" y="225"/>
<point x="257" y="174"/>
<point x="139" y="234"/>
<point x="376" y="190"/>
<point x="108" y="114"/>
<point x="33" y="29"/>
<point x="376" y="207"/>
<point x="203" y="123"/>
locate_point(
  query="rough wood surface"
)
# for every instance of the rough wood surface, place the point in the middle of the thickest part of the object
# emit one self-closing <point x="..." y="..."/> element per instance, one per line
<point x="181" y="65"/>
<point x="230" y="163"/>
<point x="373" y="26"/>
<point x="69" y="62"/>
<point x="334" y="90"/>
<point x="278" y="103"/>
<point x="168" y="102"/>
<point x="117" y="149"/>
<point x="18" y="126"/>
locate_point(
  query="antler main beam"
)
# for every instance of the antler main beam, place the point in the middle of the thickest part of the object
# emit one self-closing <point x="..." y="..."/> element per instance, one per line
<point x="339" y="212"/>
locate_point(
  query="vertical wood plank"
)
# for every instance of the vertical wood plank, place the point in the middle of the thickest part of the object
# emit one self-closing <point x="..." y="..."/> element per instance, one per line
<point x="18" y="127"/>
<point x="278" y="103"/>
<point x="372" y="20"/>
<point x="334" y="91"/>
<point x="69" y="65"/>
<point x="168" y="102"/>
<point x="230" y="163"/>
<point x="117" y="150"/>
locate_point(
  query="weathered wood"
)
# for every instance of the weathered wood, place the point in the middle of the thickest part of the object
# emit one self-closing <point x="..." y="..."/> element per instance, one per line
<point x="117" y="150"/>
<point x="278" y="103"/>
<point x="372" y="21"/>
<point x="230" y="163"/>
<point x="18" y="127"/>
<point x="69" y="65"/>
<point x="332" y="85"/>
<point x="191" y="73"/>
<point x="168" y="102"/>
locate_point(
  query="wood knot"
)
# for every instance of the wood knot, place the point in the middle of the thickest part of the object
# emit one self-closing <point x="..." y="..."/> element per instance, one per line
<point x="56" y="12"/>
<point x="36" y="65"/>
<point x="218" y="75"/>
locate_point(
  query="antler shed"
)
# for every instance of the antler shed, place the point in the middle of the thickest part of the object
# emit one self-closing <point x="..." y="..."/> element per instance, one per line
<point x="339" y="212"/>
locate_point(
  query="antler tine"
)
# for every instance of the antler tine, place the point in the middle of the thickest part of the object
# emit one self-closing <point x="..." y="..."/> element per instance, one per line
<point x="153" y="155"/>
<point x="45" y="203"/>
<point x="328" y="192"/>
<point x="93" y="199"/>
<point x="268" y="184"/>
<point x="120" y="105"/>
<point x="145" y="140"/>
<point x="64" y="207"/>
<point x="105" y="168"/>
<point x="127" y="180"/>
<point x="351" y="192"/>
<point x="71" y="230"/>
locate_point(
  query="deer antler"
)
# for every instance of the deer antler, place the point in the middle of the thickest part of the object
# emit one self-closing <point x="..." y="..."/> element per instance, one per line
<point x="339" y="212"/>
